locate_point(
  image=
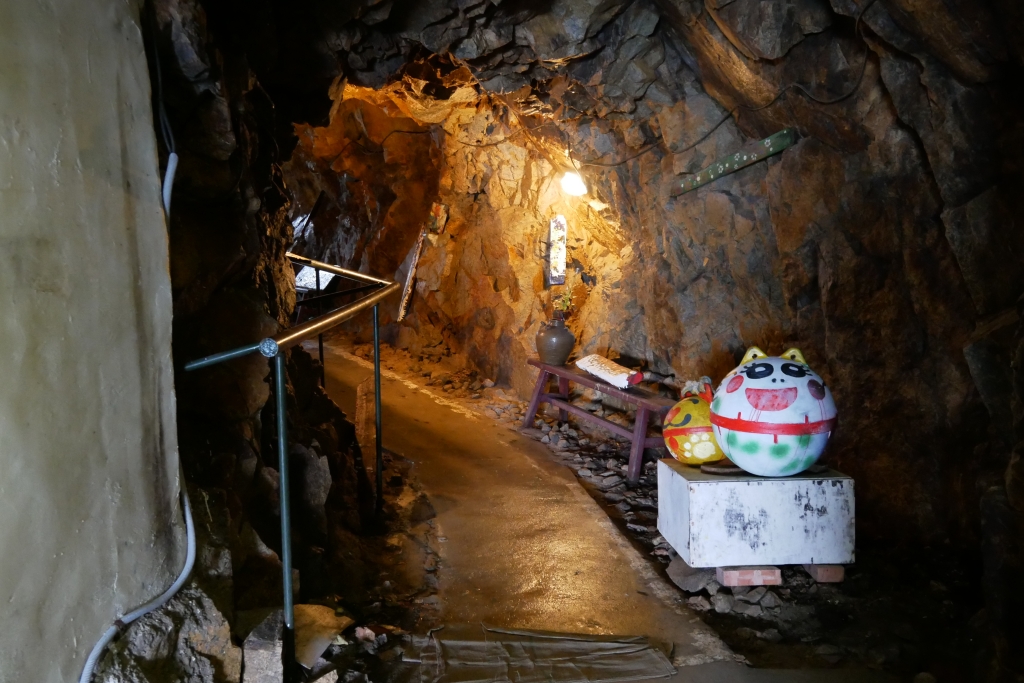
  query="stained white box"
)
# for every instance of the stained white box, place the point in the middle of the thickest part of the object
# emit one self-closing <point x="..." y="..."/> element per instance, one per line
<point x="741" y="519"/>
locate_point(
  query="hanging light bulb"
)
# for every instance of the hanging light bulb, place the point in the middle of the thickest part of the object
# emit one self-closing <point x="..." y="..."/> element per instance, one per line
<point x="573" y="185"/>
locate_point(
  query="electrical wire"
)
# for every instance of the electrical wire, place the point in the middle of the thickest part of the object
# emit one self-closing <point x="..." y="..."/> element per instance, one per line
<point x="172" y="168"/>
<point x="651" y="146"/>
<point x="380" y="144"/>
<point x="517" y="131"/>
<point x="158" y="602"/>
<point x="789" y="86"/>
<point x="165" y="125"/>
<point x="407" y="132"/>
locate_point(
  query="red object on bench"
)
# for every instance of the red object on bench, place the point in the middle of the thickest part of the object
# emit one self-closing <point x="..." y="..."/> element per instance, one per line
<point x="647" y="405"/>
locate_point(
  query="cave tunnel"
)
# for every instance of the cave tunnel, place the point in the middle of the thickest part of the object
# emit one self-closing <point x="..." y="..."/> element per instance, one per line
<point x="497" y="340"/>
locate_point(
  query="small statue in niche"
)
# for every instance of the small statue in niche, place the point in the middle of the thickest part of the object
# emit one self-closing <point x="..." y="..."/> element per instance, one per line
<point x="438" y="218"/>
<point x="772" y="416"/>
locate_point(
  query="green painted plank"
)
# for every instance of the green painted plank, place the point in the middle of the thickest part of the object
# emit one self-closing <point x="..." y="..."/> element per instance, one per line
<point x="752" y="153"/>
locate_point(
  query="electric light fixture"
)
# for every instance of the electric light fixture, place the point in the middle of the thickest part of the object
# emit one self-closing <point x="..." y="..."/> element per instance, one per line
<point x="573" y="185"/>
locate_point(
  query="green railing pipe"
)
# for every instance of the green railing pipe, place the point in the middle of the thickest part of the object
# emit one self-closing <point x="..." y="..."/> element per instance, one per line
<point x="274" y="347"/>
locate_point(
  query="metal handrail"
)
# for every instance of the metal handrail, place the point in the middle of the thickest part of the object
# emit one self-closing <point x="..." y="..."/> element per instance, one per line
<point x="270" y="346"/>
<point x="325" y="322"/>
<point x="307" y="300"/>
<point x="273" y="347"/>
<point x="337" y="270"/>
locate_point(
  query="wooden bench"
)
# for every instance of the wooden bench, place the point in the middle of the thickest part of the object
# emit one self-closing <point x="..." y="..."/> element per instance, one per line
<point x="647" y="405"/>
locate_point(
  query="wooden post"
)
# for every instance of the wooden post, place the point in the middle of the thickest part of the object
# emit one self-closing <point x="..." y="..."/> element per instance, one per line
<point x="636" y="453"/>
<point x="563" y="389"/>
<point x="531" y="412"/>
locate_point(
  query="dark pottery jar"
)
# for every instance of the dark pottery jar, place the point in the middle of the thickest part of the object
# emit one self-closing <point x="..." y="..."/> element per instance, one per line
<point x="555" y="341"/>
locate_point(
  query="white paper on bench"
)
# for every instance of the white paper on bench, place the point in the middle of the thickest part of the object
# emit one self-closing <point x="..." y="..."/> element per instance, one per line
<point x="602" y="368"/>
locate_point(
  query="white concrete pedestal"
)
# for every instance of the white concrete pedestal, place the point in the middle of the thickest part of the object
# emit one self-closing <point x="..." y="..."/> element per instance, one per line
<point x="738" y="520"/>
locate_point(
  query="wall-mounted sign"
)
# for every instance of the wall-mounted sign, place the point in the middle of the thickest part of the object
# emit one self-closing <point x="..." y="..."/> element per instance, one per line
<point x="556" y="250"/>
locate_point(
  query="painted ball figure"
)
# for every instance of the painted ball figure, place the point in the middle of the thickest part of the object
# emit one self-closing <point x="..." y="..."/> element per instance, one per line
<point x="687" y="429"/>
<point x="772" y="416"/>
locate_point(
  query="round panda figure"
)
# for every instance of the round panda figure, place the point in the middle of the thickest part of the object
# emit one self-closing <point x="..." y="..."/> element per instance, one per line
<point x="772" y="416"/>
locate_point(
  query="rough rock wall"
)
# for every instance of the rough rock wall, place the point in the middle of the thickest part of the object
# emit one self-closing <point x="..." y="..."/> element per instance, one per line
<point x="88" y="456"/>
<point x="227" y="239"/>
<point x="232" y="285"/>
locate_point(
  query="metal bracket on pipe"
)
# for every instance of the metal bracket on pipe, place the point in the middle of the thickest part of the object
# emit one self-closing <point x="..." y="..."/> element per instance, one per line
<point x="269" y="347"/>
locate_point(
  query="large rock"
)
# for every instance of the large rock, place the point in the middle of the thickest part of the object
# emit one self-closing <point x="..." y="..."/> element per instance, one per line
<point x="767" y="29"/>
<point x="186" y="641"/>
<point x="989" y="247"/>
<point x="263" y="651"/>
<point x="687" y="578"/>
<point x="956" y="123"/>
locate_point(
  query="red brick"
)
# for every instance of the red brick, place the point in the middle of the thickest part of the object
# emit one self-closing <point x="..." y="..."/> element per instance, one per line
<point x="825" y="573"/>
<point x="749" y="576"/>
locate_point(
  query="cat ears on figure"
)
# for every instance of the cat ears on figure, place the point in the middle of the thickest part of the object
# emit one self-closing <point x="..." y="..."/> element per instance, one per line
<point x="754" y="353"/>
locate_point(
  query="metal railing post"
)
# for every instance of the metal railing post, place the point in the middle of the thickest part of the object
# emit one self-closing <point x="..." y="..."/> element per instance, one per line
<point x="221" y="357"/>
<point x="288" y="634"/>
<point x="376" y="398"/>
<point x="274" y="348"/>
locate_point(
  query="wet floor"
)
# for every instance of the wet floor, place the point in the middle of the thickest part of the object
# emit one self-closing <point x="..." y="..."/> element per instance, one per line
<point x="523" y="545"/>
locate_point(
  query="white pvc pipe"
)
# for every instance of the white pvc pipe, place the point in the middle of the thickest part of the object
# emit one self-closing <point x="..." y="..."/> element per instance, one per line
<point x="172" y="168"/>
<point x="190" y="559"/>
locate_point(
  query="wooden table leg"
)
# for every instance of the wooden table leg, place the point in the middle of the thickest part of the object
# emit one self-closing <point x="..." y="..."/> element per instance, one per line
<point x="531" y="412"/>
<point x="563" y="389"/>
<point x="636" y="453"/>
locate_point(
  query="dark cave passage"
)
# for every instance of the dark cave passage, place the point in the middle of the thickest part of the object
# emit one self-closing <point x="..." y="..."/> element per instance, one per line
<point x="428" y="145"/>
<point x="699" y="324"/>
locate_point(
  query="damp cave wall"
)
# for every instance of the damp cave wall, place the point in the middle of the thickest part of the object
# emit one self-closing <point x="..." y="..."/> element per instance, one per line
<point x="88" y="450"/>
<point x="232" y="285"/>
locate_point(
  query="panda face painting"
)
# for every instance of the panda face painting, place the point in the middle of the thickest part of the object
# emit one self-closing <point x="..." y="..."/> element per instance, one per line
<point x="772" y="416"/>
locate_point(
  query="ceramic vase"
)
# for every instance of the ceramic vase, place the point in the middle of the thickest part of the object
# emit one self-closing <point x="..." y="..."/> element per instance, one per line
<point x="555" y="342"/>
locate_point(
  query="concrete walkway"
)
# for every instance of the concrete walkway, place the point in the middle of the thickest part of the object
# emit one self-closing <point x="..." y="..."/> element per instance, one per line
<point x="524" y="545"/>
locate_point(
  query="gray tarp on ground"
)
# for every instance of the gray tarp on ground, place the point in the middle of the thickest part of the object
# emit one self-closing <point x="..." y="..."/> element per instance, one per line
<point x="484" y="654"/>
